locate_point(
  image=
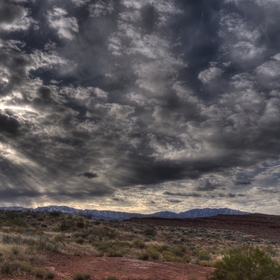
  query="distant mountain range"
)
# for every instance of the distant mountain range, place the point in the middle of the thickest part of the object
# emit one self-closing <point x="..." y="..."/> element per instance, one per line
<point x="113" y="215"/>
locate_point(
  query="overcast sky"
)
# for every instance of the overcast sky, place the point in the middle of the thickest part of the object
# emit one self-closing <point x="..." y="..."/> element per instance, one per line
<point x="140" y="105"/>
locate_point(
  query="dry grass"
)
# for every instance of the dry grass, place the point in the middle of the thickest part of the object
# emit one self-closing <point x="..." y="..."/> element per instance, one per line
<point x="26" y="238"/>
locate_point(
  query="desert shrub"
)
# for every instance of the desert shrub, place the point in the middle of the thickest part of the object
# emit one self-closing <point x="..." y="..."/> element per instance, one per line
<point x="112" y="278"/>
<point x="187" y="258"/>
<point x="164" y="247"/>
<point x="15" y="250"/>
<point x="168" y="256"/>
<point x="39" y="272"/>
<point x="9" y="267"/>
<point x="45" y="244"/>
<point x="25" y="266"/>
<point x="107" y="246"/>
<point x="144" y="256"/>
<point x="139" y="244"/>
<point x="203" y="263"/>
<point x="64" y="226"/>
<point x="20" y="223"/>
<point x="55" y="214"/>
<point x="112" y="234"/>
<point x="80" y="224"/>
<point x="39" y="242"/>
<point x="150" y="231"/>
<point x="270" y="250"/>
<point x="178" y="251"/>
<point x="81" y="276"/>
<point x="50" y="275"/>
<point x="246" y="263"/>
<point x="153" y="254"/>
<point x="193" y="277"/>
<point x="114" y="253"/>
<point x="59" y="238"/>
<point x="80" y="240"/>
<point x="202" y="255"/>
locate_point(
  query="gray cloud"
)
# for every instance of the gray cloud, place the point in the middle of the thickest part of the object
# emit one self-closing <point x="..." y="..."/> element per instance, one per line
<point x="182" y="194"/>
<point x="88" y="175"/>
<point x="174" y="200"/>
<point x="242" y="183"/>
<point x="150" y="95"/>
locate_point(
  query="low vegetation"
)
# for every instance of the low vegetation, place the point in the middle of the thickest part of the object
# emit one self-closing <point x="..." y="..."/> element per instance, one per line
<point x="27" y="237"/>
<point x="246" y="263"/>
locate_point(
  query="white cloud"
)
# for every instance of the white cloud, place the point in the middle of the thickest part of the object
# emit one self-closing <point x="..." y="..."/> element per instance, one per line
<point x="246" y="51"/>
<point x="165" y="9"/>
<point x="243" y="81"/>
<point x="241" y="38"/>
<point x="101" y="8"/>
<point x="80" y="3"/>
<point x="210" y="74"/>
<point x="236" y="26"/>
<point x="269" y="72"/>
<point x="66" y="27"/>
<point x="262" y="3"/>
<point x="21" y="21"/>
<point x="46" y="60"/>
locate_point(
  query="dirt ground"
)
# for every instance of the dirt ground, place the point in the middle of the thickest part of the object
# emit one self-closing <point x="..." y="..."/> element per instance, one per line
<point x="125" y="269"/>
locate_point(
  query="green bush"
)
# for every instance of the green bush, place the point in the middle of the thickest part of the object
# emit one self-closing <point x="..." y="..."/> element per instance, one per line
<point x="9" y="267"/>
<point x="15" y="250"/>
<point x="80" y="224"/>
<point x="39" y="272"/>
<point x="114" y="253"/>
<point x="168" y="256"/>
<point x="150" y="232"/>
<point x="246" y="263"/>
<point x="193" y="277"/>
<point x="25" y="266"/>
<point x="112" y="278"/>
<point x="139" y="244"/>
<point x="55" y="214"/>
<point x="81" y="276"/>
<point x="202" y="255"/>
<point x="50" y="275"/>
<point x="144" y="256"/>
<point x="80" y="240"/>
<point x="178" y="251"/>
<point x="153" y="254"/>
<point x="203" y="263"/>
<point x="59" y="238"/>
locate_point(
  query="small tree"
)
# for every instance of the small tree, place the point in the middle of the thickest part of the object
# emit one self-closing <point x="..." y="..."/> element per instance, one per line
<point x="246" y="263"/>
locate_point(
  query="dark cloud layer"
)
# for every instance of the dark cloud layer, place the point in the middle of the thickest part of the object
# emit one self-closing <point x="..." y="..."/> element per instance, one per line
<point x="111" y="104"/>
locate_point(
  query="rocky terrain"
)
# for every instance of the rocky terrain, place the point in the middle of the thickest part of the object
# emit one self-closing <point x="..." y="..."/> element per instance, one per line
<point x="257" y="225"/>
<point x="63" y="246"/>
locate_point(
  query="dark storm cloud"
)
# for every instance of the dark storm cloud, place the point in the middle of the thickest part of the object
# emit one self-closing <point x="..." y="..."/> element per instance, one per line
<point x="229" y="195"/>
<point x="208" y="186"/>
<point x="177" y="95"/>
<point x="182" y="194"/>
<point x="174" y="200"/>
<point x="118" y="199"/>
<point x="242" y="183"/>
<point x="9" y="125"/>
<point x="88" y="175"/>
<point x="9" y="12"/>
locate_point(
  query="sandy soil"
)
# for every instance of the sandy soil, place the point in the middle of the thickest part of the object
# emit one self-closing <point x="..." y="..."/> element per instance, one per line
<point x="125" y="269"/>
